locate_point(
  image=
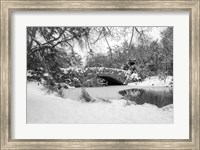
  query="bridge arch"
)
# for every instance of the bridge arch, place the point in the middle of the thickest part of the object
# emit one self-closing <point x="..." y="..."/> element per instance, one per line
<point x="110" y="80"/>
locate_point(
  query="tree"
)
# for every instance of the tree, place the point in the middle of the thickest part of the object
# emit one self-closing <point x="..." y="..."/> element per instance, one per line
<point x="98" y="60"/>
<point x="50" y="48"/>
<point x="167" y="46"/>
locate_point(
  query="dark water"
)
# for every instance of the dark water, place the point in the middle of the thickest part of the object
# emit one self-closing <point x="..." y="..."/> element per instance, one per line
<point x="159" y="97"/>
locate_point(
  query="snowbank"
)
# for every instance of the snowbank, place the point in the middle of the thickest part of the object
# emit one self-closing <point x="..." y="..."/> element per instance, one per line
<point x="154" y="81"/>
<point x="43" y="108"/>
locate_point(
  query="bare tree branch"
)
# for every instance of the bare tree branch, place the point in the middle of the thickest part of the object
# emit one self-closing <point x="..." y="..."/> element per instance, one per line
<point x="131" y="38"/>
<point x="98" y="37"/>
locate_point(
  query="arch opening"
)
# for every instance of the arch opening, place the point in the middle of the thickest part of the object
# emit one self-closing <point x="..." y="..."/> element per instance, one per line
<point x="111" y="81"/>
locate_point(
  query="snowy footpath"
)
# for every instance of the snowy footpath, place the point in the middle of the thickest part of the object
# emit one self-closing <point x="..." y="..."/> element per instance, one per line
<point x="43" y="108"/>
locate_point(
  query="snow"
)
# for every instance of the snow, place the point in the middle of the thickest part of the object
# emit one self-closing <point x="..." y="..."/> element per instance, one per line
<point x="43" y="108"/>
<point x="154" y="81"/>
<point x="29" y="73"/>
<point x="134" y="75"/>
<point x="45" y="74"/>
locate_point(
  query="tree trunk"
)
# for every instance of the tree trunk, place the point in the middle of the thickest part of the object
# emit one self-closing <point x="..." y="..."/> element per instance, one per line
<point x="166" y="68"/>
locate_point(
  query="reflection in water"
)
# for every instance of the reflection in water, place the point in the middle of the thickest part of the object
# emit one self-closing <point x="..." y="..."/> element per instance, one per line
<point x="160" y="98"/>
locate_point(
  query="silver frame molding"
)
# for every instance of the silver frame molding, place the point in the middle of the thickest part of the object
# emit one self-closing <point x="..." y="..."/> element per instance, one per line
<point x="9" y="6"/>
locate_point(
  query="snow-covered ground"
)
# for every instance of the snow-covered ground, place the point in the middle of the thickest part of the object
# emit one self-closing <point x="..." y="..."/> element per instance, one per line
<point x="154" y="81"/>
<point x="43" y="108"/>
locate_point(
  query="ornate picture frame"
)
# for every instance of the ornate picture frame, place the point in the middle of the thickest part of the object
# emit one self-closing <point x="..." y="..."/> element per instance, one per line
<point x="8" y="7"/>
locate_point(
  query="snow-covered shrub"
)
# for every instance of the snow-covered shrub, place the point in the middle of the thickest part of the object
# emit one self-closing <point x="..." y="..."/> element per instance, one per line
<point x="56" y="88"/>
<point x="162" y="76"/>
<point x="51" y="87"/>
<point x="33" y="75"/>
<point x="62" y="86"/>
<point x="60" y="92"/>
<point x="135" y="77"/>
<point x="142" y="73"/>
<point x="76" y="82"/>
<point x="171" y="83"/>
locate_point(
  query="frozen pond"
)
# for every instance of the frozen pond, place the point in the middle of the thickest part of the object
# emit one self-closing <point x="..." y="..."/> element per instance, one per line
<point x="156" y="96"/>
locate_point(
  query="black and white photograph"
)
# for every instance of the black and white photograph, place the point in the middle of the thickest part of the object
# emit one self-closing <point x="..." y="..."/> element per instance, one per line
<point x="99" y="75"/>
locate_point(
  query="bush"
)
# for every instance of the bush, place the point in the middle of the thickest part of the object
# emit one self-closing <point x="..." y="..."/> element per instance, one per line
<point x="54" y="88"/>
<point x="61" y="93"/>
<point x="50" y="87"/>
<point x="162" y="76"/>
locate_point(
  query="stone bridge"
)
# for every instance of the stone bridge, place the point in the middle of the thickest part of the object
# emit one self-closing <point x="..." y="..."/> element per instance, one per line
<point x="113" y="76"/>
